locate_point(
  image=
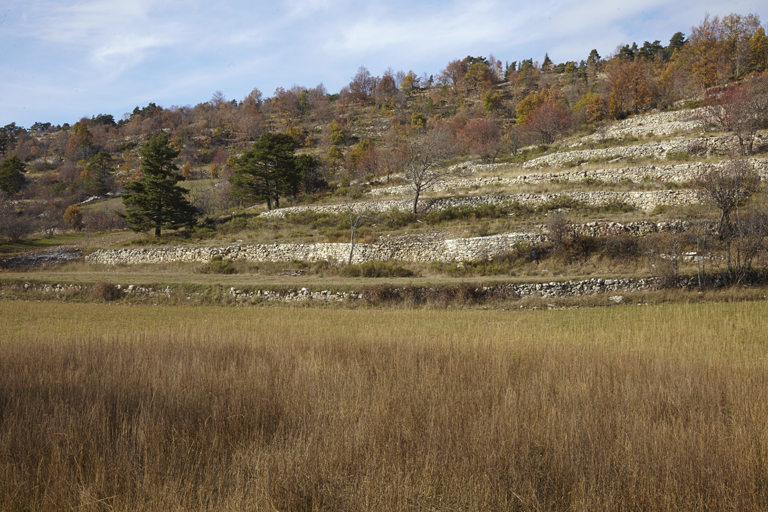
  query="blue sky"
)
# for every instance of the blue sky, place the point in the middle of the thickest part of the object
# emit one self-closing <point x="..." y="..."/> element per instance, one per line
<point x="65" y="59"/>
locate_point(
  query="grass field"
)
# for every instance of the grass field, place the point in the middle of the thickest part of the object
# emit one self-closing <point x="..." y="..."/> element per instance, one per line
<point x="120" y="407"/>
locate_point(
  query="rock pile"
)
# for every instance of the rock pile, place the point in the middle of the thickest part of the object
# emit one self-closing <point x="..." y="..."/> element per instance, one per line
<point x="57" y="256"/>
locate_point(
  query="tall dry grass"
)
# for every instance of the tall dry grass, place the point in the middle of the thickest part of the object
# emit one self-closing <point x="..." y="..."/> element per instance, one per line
<point x="107" y="407"/>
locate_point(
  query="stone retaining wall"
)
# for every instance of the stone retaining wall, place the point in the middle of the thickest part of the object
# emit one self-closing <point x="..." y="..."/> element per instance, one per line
<point x="640" y="200"/>
<point x="412" y="248"/>
<point x="661" y="123"/>
<point x="408" y="250"/>
<point x="502" y="291"/>
<point x="708" y="145"/>
<point x="672" y="173"/>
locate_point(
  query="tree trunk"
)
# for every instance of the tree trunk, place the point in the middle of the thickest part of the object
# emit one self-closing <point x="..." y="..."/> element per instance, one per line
<point x="351" y="243"/>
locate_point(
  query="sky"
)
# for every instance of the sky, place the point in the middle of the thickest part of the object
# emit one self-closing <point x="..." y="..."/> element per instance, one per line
<point x="61" y="60"/>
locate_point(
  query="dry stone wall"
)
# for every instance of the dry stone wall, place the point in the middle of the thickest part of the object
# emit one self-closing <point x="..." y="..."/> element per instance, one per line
<point x="658" y="150"/>
<point x="641" y="200"/>
<point x="661" y="124"/>
<point x="550" y="290"/>
<point x="412" y="248"/>
<point x="671" y="173"/>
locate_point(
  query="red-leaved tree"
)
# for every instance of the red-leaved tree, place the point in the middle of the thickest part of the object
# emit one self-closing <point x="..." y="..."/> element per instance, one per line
<point x="548" y="121"/>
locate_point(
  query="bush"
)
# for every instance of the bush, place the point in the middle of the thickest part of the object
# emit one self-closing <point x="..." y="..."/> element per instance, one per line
<point x="563" y="202"/>
<point x="219" y="265"/>
<point x="105" y="291"/>
<point x="464" y="212"/>
<point x="615" y="206"/>
<point x="678" y="156"/>
<point x="396" y="218"/>
<point x="621" y="247"/>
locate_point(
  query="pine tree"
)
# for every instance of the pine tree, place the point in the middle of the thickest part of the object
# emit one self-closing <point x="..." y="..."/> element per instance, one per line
<point x="267" y="171"/>
<point x="155" y="200"/>
<point x="12" y="175"/>
<point x="97" y="176"/>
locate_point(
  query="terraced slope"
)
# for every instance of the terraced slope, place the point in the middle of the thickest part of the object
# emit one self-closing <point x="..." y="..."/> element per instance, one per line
<point x="635" y="178"/>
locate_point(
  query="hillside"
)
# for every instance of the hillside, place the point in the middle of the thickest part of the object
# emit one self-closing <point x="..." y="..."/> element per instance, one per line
<point x="632" y="167"/>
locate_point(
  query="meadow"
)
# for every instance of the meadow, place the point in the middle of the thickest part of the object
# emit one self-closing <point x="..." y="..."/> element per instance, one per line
<point x="132" y="407"/>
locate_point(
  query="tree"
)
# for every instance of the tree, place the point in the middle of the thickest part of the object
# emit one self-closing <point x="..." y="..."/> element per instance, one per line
<point x="631" y="86"/>
<point x="80" y="144"/>
<point x="309" y="169"/>
<point x="549" y="120"/>
<point x="155" y="201"/>
<point x="758" y="44"/>
<point x="546" y="65"/>
<point x="267" y="171"/>
<point x="73" y="217"/>
<point x="726" y="188"/>
<point x="491" y="102"/>
<point x="97" y="177"/>
<point x="483" y="138"/>
<point x="14" y="225"/>
<point x="742" y="226"/>
<point x="422" y="158"/>
<point x="362" y="84"/>
<point x="676" y="42"/>
<point x="529" y="104"/>
<point x="741" y="109"/>
<point x="12" y="175"/>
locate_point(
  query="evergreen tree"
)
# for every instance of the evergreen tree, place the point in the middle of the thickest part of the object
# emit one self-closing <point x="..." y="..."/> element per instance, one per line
<point x="155" y="200"/>
<point x="97" y="177"/>
<point x="12" y="175"/>
<point x="267" y="171"/>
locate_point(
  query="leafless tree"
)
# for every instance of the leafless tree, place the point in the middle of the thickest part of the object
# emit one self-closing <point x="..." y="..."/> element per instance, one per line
<point x="423" y="159"/>
<point x="741" y="109"/>
<point x="743" y="223"/>
<point x="726" y="187"/>
<point x="362" y="85"/>
<point x="217" y="100"/>
<point x="356" y="220"/>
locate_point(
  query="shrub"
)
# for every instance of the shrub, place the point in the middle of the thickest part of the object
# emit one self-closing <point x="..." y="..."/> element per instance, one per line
<point x="396" y="218"/>
<point x="464" y="212"/>
<point x="219" y="265"/>
<point x="621" y="247"/>
<point x="105" y="291"/>
<point x="615" y="206"/>
<point x="559" y="203"/>
<point x="678" y="156"/>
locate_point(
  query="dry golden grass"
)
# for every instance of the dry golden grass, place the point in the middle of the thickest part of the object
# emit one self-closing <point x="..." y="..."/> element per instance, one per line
<point x="106" y="407"/>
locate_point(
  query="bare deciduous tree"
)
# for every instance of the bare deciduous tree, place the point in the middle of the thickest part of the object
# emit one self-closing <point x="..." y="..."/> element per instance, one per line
<point x="422" y="159"/>
<point x="741" y="109"/>
<point x="743" y="224"/>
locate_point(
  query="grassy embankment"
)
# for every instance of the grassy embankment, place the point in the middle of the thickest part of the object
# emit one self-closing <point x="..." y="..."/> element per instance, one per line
<point x="107" y="407"/>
